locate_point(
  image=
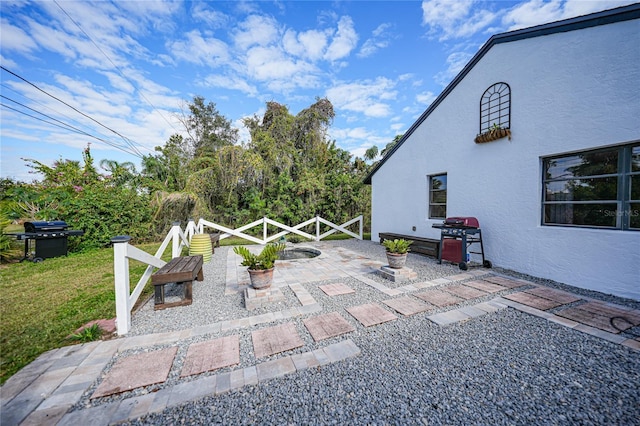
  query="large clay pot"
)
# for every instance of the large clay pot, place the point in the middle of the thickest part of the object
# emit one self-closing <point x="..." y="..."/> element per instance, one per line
<point x="201" y="244"/>
<point x="396" y="260"/>
<point x="261" y="278"/>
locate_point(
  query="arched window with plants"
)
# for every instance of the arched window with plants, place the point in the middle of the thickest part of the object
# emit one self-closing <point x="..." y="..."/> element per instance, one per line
<point x="495" y="113"/>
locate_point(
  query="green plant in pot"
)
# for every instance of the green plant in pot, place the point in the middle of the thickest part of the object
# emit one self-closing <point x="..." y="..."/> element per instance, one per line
<point x="397" y="252"/>
<point x="260" y="266"/>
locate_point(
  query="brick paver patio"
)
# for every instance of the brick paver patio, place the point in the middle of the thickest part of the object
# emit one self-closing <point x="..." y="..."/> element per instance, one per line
<point x="136" y="371"/>
<point x="328" y="325"/>
<point x="506" y="282"/>
<point x="606" y="317"/>
<point x="552" y="294"/>
<point x="336" y="289"/>
<point x="276" y="339"/>
<point x="408" y="305"/>
<point x="489" y="287"/>
<point x="533" y="301"/>
<point x="211" y="355"/>
<point x="439" y="298"/>
<point x="371" y="314"/>
<point x="464" y="292"/>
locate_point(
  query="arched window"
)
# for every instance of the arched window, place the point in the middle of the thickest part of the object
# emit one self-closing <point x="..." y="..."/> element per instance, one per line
<point x="495" y="107"/>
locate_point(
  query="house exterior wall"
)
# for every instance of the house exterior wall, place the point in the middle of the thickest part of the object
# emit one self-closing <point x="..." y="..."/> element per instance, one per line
<point x="570" y="91"/>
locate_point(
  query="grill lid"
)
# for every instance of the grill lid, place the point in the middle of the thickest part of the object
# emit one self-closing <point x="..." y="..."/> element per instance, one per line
<point x="43" y="226"/>
<point x="462" y="222"/>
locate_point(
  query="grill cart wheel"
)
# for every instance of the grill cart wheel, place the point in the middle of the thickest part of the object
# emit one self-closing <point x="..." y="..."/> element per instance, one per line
<point x="463" y="266"/>
<point x="38" y="260"/>
<point x="487" y="264"/>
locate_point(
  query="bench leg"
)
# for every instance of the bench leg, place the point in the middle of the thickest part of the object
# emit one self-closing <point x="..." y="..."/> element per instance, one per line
<point x="187" y="292"/>
<point x="200" y="275"/>
<point x="159" y="294"/>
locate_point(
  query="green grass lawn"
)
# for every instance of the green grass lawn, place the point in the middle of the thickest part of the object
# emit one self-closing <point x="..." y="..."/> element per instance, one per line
<point x="43" y="303"/>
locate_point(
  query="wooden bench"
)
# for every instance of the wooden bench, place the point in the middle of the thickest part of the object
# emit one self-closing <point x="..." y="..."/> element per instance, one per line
<point x="180" y="270"/>
<point x="215" y="239"/>
<point x="428" y="246"/>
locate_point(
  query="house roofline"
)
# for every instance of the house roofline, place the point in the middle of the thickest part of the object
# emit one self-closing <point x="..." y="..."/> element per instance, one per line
<point x="619" y="14"/>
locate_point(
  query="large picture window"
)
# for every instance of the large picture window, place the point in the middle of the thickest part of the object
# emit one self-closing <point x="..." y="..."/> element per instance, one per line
<point x="599" y="188"/>
<point x="438" y="196"/>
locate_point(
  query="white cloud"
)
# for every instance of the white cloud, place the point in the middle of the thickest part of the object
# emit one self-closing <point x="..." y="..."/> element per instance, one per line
<point x="455" y="62"/>
<point x="364" y="97"/>
<point x="269" y="63"/>
<point x="536" y="12"/>
<point x="213" y="18"/>
<point x="455" y="18"/>
<point x="256" y="30"/>
<point x="379" y="40"/>
<point x="310" y="44"/>
<point x="16" y="39"/>
<point x="195" y="48"/>
<point x="344" y="41"/>
<point x="231" y="83"/>
<point x="425" y="97"/>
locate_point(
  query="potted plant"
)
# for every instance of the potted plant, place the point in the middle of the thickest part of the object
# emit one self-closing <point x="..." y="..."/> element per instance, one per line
<point x="397" y="252"/>
<point x="260" y="266"/>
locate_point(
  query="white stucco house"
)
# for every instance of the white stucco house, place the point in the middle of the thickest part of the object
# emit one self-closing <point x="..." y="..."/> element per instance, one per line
<point x="560" y="198"/>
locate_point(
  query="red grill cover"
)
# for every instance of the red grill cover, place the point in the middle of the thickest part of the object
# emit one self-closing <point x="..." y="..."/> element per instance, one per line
<point x="452" y="250"/>
<point x="469" y="222"/>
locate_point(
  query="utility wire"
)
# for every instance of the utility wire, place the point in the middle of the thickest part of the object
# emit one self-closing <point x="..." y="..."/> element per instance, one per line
<point x="66" y="127"/>
<point x="116" y="66"/>
<point x="65" y="103"/>
<point x="35" y="101"/>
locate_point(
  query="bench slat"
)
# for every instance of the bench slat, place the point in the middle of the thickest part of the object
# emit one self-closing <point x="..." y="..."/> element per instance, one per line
<point x="179" y="269"/>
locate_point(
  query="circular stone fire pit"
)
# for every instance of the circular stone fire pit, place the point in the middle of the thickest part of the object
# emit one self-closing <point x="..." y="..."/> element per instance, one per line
<point x="298" y="253"/>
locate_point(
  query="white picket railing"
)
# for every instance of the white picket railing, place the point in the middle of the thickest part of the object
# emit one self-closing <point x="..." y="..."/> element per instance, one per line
<point x="265" y="222"/>
<point x="123" y="251"/>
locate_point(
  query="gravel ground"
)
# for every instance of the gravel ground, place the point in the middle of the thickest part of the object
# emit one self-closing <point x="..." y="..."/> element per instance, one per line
<point x="502" y="368"/>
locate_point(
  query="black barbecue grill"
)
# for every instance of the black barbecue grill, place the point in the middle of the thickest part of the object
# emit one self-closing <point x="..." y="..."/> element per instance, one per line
<point x="457" y="234"/>
<point x="50" y="239"/>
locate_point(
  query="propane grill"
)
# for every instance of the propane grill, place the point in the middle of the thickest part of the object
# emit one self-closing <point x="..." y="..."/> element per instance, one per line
<point x="457" y="234"/>
<point x="50" y="239"/>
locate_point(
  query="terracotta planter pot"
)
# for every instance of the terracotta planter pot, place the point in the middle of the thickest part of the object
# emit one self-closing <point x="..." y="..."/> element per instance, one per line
<point x="396" y="260"/>
<point x="261" y="278"/>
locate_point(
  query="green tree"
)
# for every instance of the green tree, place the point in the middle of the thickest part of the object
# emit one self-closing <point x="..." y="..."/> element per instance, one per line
<point x="207" y="130"/>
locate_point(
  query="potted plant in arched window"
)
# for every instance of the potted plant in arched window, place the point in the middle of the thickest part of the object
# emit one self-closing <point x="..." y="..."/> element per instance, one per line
<point x="494" y="133"/>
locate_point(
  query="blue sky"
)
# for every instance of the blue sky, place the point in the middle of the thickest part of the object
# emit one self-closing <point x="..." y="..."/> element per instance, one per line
<point x="125" y="69"/>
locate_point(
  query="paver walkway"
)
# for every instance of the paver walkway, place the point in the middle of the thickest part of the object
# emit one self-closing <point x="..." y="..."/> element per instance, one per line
<point x="45" y="390"/>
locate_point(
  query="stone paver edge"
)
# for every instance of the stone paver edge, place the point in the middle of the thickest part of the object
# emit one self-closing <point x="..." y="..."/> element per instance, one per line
<point x="134" y="407"/>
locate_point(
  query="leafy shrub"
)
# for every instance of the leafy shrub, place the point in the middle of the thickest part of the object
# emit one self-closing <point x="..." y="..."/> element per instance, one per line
<point x="400" y="246"/>
<point x="264" y="260"/>
<point x="103" y="212"/>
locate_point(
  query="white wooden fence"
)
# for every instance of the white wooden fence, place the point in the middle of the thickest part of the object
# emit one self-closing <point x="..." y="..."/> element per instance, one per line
<point x="178" y="238"/>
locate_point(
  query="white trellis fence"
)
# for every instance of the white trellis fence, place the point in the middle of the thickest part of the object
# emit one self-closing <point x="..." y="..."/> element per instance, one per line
<point x="179" y="238"/>
<point x="265" y="222"/>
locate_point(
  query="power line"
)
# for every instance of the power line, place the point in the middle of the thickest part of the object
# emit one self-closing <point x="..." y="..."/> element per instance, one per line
<point x="69" y="126"/>
<point x="66" y="127"/>
<point x="70" y="106"/>
<point x="116" y="66"/>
